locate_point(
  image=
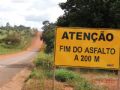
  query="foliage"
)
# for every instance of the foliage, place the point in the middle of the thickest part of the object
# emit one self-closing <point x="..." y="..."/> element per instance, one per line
<point x="90" y="13"/>
<point x="37" y="74"/>
<point x="38" y="81"/>
<point x="48" y="35"/>
<point x="17" y="37"/>
<point x="74" y="80"/>
<point x="12" y="39"/>
<point x="43" y="71"/>
<point x="35" y="81"/>
<point x="80" y="84"/>
<point x="63" y="75"/>
<point x="44" y="61"/>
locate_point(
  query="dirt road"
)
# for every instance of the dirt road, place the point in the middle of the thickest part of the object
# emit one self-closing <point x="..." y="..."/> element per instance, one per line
<point x="12" y="64"/>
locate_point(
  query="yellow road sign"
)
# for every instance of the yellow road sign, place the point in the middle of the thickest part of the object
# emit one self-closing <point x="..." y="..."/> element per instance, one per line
<point x="87" y="47"/>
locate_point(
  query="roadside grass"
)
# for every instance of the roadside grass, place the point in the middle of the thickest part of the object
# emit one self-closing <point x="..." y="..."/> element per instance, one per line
<point x="38" y="81"/>
<point x="42" y="74"/>
<point x="21" y="38"/>
<point x="7" y="49"/>
<point x="97" y="71"/>
<point x="23" y="45"/>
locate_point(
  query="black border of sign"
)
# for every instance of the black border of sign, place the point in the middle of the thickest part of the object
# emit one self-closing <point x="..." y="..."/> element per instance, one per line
<point x="56" y="28"/>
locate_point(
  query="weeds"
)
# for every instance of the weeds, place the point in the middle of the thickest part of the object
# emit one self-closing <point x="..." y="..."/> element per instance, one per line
<point x="64" y="75"/>
<point x="44" y="61"/>
<point x="43" y="73"/>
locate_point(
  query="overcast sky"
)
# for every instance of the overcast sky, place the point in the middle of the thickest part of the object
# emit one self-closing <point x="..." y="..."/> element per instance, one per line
<point x="29" y="12"/>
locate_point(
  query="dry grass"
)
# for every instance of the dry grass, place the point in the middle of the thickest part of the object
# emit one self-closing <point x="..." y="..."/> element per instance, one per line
<point x="34" y="84"/>
<point x="105" y="80"/>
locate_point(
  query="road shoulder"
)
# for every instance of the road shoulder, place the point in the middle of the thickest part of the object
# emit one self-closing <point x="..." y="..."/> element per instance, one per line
<point x="17" y="82"/>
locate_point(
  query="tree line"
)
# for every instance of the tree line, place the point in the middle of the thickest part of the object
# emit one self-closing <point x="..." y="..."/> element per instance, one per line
<point x="14" y="36"/>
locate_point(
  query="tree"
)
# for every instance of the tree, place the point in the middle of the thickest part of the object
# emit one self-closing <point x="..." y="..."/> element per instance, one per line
<point x="8" y="27"/>
<point x="48" y="35"/>
<point x="90" y="13"/>
<point x="46" y="23"/>
<point x="7" y="24"/>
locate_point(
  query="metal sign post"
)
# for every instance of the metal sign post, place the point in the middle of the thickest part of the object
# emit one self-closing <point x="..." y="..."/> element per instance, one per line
<point x="54" y="68"/>
<point x="118" y="82"/>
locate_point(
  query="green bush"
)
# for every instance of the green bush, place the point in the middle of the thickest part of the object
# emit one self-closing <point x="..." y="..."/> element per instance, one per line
<point x="48" y="36"/>
<point x="9" y="46"/>
<point x="80" y="84"/>
<point x="37" y="74"/>
<point x="11" y="40"/>
<point x="44" y="60"/>
<point x="74" y="80"/>
<point x="0" y="40"/>
<point x="63" y="75"/>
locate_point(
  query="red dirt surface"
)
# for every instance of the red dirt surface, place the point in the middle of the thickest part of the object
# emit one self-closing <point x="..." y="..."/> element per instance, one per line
<point x="17" y="82"/>
<point x="110" y="83"/>
<point x="36" y="44"/>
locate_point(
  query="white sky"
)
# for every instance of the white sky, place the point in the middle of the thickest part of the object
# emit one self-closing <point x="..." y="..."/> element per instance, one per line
<point x="29" y="12"/>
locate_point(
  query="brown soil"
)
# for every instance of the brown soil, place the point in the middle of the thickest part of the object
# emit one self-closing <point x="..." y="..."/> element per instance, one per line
<point x="34" y="84"/>
<point x="17" y="82"/>
<point x="100" y="80"/>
